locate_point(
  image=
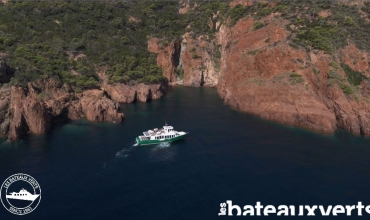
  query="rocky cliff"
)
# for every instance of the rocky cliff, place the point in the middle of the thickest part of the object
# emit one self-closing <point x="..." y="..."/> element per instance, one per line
<point x="287" y="61"/>
<point x="124" y="93"/>
<point x="32" y="109"/>
<point x="258" y="70"/>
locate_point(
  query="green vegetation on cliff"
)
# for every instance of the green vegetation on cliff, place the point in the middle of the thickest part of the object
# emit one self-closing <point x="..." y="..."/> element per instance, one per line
<point x="75" y="40"/>
<point x="338" y="23"/>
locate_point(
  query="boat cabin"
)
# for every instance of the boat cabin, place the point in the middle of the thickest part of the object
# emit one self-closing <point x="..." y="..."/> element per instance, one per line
<point x="165" y="132"/>
<point x="167" y="128"/>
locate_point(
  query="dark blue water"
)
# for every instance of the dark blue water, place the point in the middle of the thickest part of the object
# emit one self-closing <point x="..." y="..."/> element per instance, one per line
<point x="93" y="171"/>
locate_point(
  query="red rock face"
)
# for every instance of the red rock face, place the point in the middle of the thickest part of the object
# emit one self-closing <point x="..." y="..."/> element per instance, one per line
<point x="166" y="56"/>
<point x="29" y="113"/>
<point x="97" y="107"/>
<point x="128" y="94"/>
<point x="198" y="61"/>
<point x="35" y="107"/>
<point x="260" y="73"/>
<point x="258" y="80"/>
<point x="18" y="126"/>
<point x="193" y="55"/>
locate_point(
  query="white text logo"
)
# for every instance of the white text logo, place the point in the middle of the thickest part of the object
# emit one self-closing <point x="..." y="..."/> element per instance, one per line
<point x="301" y="210"/>
<point x="20" y="194"/>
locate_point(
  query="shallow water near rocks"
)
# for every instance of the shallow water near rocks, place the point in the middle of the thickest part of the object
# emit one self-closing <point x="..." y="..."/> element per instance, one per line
<point x="94" y="171"/>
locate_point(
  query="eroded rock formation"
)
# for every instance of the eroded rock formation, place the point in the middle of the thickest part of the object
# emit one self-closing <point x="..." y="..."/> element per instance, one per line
<point x="32" y="109"/>
<point x="140" y="92"/>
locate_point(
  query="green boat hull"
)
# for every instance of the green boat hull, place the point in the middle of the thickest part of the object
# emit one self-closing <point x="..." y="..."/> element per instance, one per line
<point x="148" y="142"/>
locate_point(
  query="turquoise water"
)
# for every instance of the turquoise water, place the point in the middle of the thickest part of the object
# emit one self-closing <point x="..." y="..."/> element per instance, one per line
<point x="93" y="171"/>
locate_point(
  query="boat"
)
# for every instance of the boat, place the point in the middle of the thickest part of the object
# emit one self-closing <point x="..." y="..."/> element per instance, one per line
<point x="22" y="195"/>
<point x="155" y="136"/>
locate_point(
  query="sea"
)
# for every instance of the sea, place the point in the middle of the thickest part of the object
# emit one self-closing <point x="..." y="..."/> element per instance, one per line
<point x="95" y="171"/>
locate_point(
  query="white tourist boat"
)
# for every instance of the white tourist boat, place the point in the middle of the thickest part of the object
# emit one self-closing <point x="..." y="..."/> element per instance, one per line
<point x="155" y="136"/>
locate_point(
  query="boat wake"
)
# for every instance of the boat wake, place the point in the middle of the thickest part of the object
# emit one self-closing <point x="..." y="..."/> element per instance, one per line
<point x="163" y="145"/>
<point x="110" y="166"/>
<point x="125" y="152"/>
<point x="163" y="152"/>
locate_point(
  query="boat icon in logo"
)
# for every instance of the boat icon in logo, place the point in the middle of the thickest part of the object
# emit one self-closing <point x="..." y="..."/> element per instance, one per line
<point x="22" y="195"/>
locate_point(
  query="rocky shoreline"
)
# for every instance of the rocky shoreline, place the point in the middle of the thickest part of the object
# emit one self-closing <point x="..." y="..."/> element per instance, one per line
<point x="33" y="109"/>
<point x="261" y="73"/>
<point x="255" y="70"/>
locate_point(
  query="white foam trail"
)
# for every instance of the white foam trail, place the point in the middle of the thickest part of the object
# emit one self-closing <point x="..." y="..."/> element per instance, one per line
<point x="164" y="144"/>
<point x="123" y="153"/>
<point x="163" y="152"/>
<point x="136" y="144"/>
